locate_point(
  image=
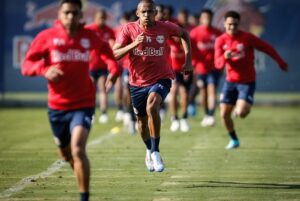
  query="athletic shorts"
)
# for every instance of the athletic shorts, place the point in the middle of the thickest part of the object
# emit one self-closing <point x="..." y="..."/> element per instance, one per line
<point x="231" y="92"/>
<point x="139" y="95"/>
<point x="212" y="77"/>
<point x="98" y="73"/>
<point x="181" y="81"/>
<point x="62" y="123"/>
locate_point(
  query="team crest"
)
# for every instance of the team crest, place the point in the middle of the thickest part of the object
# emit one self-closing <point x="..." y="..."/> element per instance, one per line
<point x="58" y="42"/>
<point x="85" y="43"/>
<point x="160" y="39"/>
<point x="240" y="46"/>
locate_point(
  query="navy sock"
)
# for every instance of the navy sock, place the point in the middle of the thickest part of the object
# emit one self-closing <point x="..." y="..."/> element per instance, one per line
<point x="84" y="196"/>
<point x="233" y="135"/>
<point x="155" y="144"/>
<point x="210" y="112"/>
<point x="206" y="111"/>
<point x="148" y="144"/>
<point x="185" y="115"/>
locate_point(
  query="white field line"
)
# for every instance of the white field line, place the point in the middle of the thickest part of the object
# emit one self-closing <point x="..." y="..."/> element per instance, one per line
<point x="54" y="167"/>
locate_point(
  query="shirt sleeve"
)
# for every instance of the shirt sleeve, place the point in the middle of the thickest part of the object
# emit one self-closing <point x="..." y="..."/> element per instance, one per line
<point x="123" y="37"/>
<point x="268" y="49"/>
<point x="173" y="29"/>
<point x="219" y="55"/>
<point x="34" y="61"/>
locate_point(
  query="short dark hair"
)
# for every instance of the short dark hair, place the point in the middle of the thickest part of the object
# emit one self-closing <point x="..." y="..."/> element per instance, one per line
<point x="78" y="2"/>
<point x="184" y="11"/>
<point x="232" y="14"/>
<point x="207" y="11"/>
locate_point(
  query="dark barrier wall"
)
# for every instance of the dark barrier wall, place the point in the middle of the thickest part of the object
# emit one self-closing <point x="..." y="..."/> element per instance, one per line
<point x="276" y="21"/>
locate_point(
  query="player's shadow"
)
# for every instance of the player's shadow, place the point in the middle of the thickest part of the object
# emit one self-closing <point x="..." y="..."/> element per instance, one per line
<point x="228" y="184"/>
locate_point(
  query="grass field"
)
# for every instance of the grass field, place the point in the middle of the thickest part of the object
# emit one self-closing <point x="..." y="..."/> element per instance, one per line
<point x="266" y="167"/>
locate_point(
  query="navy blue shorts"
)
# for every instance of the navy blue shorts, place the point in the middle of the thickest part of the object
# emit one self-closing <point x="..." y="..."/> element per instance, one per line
<point x="181" y="81"/>
<point x="139" y="95"/>
<point x="212" y="77"/>
<point x="98" y="73"/>
<point x="231" y="92"/>
<point x="62" y="123"/>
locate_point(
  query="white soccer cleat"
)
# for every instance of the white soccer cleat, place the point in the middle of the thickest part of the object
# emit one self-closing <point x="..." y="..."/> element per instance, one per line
<point x="175" y="125"/>
<point x="184" y="125"/>
<point x="208" y="121"/>
<point x="103" y="119"/>
<point x="233" y="144"/>
<point x="119" y="116"/>
<point x="158" y="163"/>
<point x="148" y="161"/>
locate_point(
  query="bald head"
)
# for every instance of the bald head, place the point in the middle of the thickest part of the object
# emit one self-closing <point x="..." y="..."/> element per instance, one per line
<point x="146" y="12"/>
<point x="151" y="2"/>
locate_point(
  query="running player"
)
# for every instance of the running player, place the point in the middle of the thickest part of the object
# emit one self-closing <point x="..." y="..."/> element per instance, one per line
<point x="61" y="55"/>
<point x="235" y="50"/>
<point x="98" y="68"/>
<point x="203" y="39"/>
<point x="150" y="73"/>
<point x="182" y="83"/>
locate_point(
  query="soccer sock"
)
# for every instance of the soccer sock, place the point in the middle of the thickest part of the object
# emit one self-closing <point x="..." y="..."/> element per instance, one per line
<point x="148" y="143"/>
<point x="185" y="115"/>
<point x="210" y="112"/>
<point x="84" y="196"/>
<point x="155" y="144"/>
<point x="206" y="111"/>
<point x="233" y="135"/>
<point x="103" y="111"/>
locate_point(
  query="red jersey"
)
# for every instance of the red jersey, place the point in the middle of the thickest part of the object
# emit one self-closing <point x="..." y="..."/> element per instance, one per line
<point x="240" y="67"/>
<point x="105" y="33"/>
<point x="203" y="40"/>
<point x="149" y="61"/>
<point x="53" y="46"/>
<point x="177" y="54"/>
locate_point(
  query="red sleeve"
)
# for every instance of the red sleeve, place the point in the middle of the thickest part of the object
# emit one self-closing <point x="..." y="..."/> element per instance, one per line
<point x="34" y="62"/>
<point x="107" y="56"/>
<point x="268" y="49"/>
<point x="174" y="30"/>
<point x="195" y="53"/>
<point x="219" y="54"/>
<point x="123" y="36"/>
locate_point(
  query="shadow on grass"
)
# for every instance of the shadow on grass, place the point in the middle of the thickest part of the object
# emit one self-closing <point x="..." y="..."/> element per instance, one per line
<point x="224" y="184"/>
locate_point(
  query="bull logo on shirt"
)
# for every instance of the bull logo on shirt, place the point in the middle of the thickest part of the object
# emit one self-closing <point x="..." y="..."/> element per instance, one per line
<point x="160" y="39"/>
<point x="85" y="43"/>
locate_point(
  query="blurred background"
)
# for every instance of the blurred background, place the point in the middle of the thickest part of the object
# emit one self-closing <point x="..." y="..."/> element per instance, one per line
<point x="275" y="21"/>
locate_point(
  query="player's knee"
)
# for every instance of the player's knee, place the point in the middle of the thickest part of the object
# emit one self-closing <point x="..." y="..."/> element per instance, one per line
<point x="78" y="153"/>
<point x="152" y="108"/>
<point x="242" y="113"/>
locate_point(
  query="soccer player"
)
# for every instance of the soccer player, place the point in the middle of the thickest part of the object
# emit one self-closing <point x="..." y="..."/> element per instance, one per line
<point x="150" y="73"/>
<point x="98" y="68"/>
<point x="235" y="50"/>
<point x="182" y="83"/>
<point x="203" y="39"/>
<point x="61" y="55"/>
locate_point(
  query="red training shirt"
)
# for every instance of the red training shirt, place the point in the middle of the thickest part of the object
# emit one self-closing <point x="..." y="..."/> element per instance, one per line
<point x="149" y="61"/>
<point x="240" y="68"/>
<point x="203" y="41"/>
<point x="53" y="46"/>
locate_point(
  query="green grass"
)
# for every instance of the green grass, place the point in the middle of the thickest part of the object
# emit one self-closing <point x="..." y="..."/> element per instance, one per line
<point x="266" y="167"/>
